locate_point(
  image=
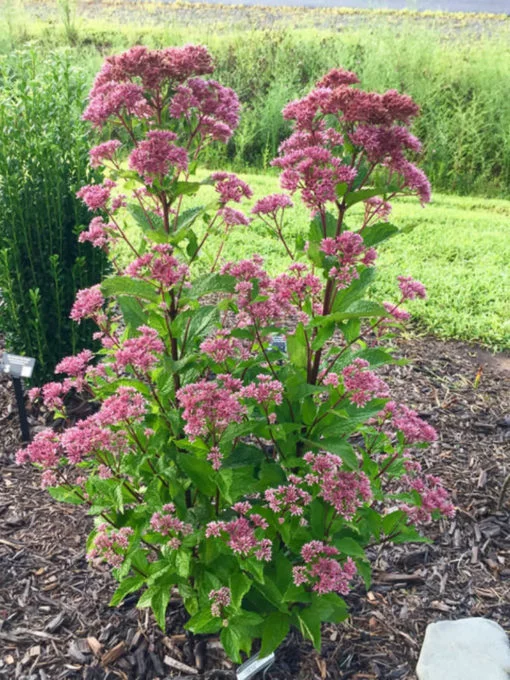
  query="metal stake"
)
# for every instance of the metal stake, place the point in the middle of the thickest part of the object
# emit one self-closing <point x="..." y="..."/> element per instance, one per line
<point x="23" y="422"/>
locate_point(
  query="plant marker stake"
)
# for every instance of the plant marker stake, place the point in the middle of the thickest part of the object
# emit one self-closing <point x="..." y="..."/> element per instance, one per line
<point x="250" y="668"/>
<point x="19" y="367"/>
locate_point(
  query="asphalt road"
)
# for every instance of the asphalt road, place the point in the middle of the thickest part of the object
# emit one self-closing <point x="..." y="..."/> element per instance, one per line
<point x="491" y="6"/>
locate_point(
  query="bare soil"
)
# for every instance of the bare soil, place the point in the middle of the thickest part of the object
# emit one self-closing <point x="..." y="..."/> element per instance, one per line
<point x="55" y="621"/>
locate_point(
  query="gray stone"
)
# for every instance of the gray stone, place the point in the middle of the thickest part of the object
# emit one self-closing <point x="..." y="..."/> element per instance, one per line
<point x="468" y="649"/>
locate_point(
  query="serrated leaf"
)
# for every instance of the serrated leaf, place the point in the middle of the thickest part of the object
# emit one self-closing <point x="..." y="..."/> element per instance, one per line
<point x="378" y="233"/>
<point x="203" y="622"/>
<point x="240" y="584"/>
<point x="127" y="586"/>
<point x="231" y="641"/>
<point x="199" y="471"/>
<point x="159" y="603"/>
<point x="296" y="347"/>
<point x="350" y="547"/>
<point x="65" y="495"/>
<point x="361" y="309"/>
<point x="124" y="285"/>
<point x="362" y="195"/>
<point x="276" y="628"/>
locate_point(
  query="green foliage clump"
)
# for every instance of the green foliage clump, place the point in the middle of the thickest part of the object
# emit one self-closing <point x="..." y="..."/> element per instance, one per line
<point x="43" y="160"/>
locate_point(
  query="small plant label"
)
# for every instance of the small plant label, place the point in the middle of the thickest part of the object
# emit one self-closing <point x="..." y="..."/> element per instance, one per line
<point x="17" y="366"/>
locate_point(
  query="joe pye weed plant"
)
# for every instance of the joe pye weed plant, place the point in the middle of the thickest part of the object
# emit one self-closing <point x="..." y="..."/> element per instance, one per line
<point x="240" y="447"/>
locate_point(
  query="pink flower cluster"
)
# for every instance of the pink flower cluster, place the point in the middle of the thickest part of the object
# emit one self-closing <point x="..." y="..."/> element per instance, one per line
<point x="414" y="429"/>
<point x="210" y="406"/>
<point x="211" y="110"/>
<point x="88" y="304"/>
<point x="288" y="499"/>
<point x="142" y="352"/>
<point x="410" y="288"/>
<point x="159" y="265"/>
<point x="223" y="346"/>
<point x="168" y="524"/>
<point x="126" y="405"/>
<point x="266" y="392"/>
<point x="322" y="571"/>
<point x="97" y="233"/>
<point x="309" y="157"/>
<point x="232" y="217"/>
<point x="104" y="152"/>
<point x="134" y="82"/>
<point x="43" y="450"/>
<point x="219" y="598"/>
<point x="281" y="296"/>
<point x="96" y="196"/>
<point x="230" y="187"/>
<point x="351" y="252"/>
<point x="345" y="491"/>
<point x="363" y="385"/>
<point x="109" y="545"/>
<point x="241" y="536"/>
<point x="433" y="498"/>
<point x="272" y="204"/>
<point x="156" y="154"/>
<point x="76" y="365"/>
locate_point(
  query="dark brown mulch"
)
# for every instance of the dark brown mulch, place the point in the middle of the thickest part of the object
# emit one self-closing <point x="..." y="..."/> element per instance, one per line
<point x="54" y="616"/>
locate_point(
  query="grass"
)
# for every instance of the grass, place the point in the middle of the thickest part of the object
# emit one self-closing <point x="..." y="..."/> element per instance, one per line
<point x="458" y="247"/>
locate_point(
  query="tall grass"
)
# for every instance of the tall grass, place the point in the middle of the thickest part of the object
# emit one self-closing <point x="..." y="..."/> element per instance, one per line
<point x="43" y="160"/>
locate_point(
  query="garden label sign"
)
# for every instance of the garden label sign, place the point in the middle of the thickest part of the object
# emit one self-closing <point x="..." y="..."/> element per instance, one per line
<point x="19" y="367"/>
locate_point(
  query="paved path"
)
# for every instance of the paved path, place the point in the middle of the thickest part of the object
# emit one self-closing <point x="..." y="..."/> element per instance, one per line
<point x="491" y="6"/>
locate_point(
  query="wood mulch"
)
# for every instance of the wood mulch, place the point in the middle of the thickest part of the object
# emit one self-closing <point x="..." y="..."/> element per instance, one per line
<point x="55" y="621"/>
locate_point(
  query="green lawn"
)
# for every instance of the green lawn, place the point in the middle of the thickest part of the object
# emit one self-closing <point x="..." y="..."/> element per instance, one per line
<point x="458" y="247"/>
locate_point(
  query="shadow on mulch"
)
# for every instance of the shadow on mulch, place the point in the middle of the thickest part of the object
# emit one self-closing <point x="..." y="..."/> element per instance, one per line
<point x="55" y="621"/>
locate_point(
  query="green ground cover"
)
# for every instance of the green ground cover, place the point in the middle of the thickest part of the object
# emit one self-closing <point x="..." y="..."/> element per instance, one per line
<point x="458" y="247"/>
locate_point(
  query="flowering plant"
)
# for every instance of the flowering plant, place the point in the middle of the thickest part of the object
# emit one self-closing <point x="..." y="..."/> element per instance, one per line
<point x="240" y="448"/>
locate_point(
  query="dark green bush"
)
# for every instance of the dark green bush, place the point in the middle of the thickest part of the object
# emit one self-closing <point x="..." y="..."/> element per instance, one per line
<point x="43" y="160"/>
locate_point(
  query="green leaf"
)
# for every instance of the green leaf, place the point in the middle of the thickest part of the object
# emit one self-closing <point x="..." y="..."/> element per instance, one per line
<point x="150" y="223"/>
<point x="340" y="448"/>
<point x="346" y="297"/>
<point x="159" y="603"/>
<point x="309" y="620"/>
<point x="356" y="196"/>
<point x="187" y="217"/>
<point x="199" y="471"/>
<point x="330" y="607"/>
<point x="65" y="495"/>
<point x="348" y="546"/>
<point x="211" y="283"/>
<point x="296" y="347"/>
<point x="127" y="586"/>
<point x="392" y="521"/>
<point x="186" y="188"/>
<point x="132" y="311"/>
<point x="124" y="285"/>
<point x="378" y="233"/>
<point x="276" y="628"/>
<point x="203" y="622"/>
<point x="231" y="641"/>
<point x="240" y="584"/>
<point x="324" y="334"/>
<point x="360" y="309"/>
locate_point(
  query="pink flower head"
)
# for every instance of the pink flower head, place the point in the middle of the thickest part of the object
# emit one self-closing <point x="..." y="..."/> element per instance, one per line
<point x="215" y="457"/>
<point x="52" y="394"/>
<point x="156" y="154"/>
<point x="345" y="491"/>
<point x="376" y="207"/>
<point x="399" y="315"/>
<point x="141" y="352"/>
<point x="322" y="571"/>
<point x="410" y="288"/>
<point x="168" y="524"/>
<point x="223" y="346"/>
<point x="232" y="217"/>
<point x="97" y="233"/>
<point x="127" y="404"/>
<point x="287" y="500"/>
<point x="210" y="406"/>
<point x="266" y="392"/>
<point x="241" y="537"/>
<point x="362" y="384"/>
<point x="88" y="303"/>
<point x="433" y="498"/>
<point x="96" y="196"/>
<point x="211" y="108"/>
<point x="43" y="450"/>
<point x="414" y="429"/>
<point x="104" y="152"/>
<point x="351" y="252"/>
<point x="75" y="366"/>
<point x="230" y="187"/>
<point x="109" y="545"/>
<point x="88" y="436"/>
<point x="219" y="598"/>
<point x="110" y="99"/>
<point x="159" y="265"/>
<point x="337" y="77"/>
<point x="270" y="205"/>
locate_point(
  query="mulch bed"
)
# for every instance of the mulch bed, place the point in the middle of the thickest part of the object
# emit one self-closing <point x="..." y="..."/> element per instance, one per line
<point x="54" y="616"/>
